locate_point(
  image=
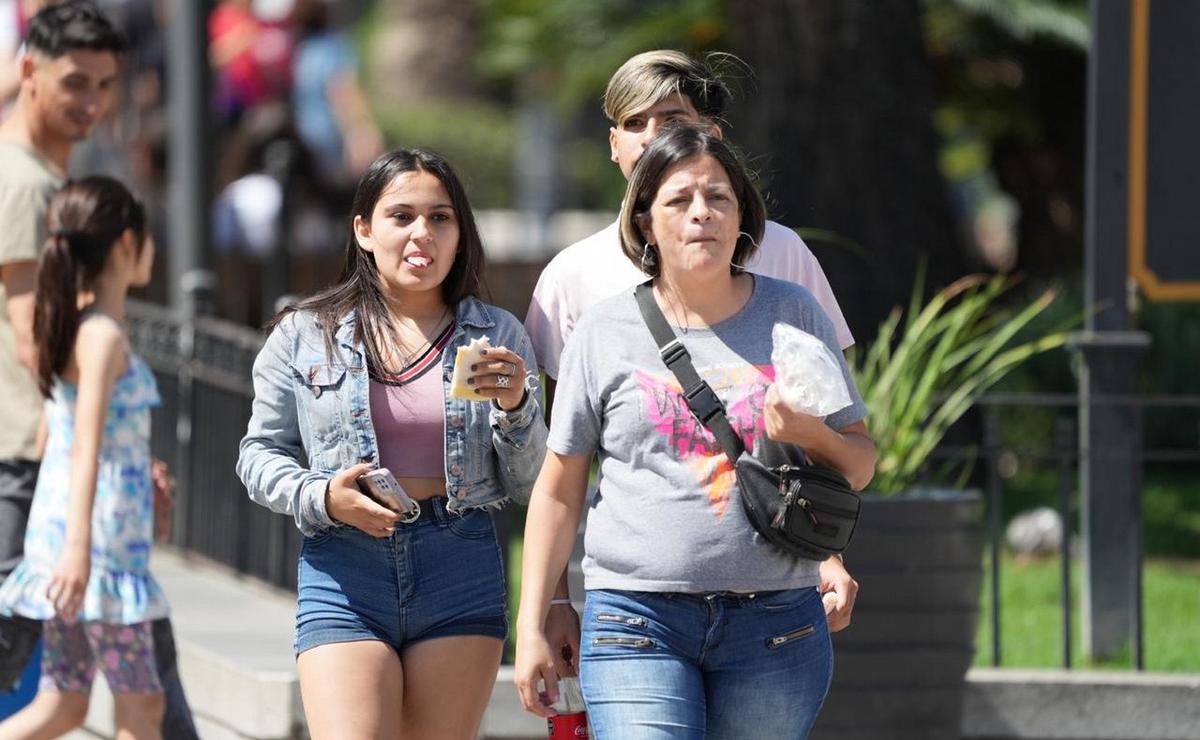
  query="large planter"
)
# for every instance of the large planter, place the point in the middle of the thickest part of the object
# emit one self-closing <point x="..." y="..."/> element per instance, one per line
<point x="900" y="667"/>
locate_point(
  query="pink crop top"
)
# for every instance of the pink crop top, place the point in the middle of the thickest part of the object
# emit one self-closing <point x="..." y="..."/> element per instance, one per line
<point x="409" y="412"/>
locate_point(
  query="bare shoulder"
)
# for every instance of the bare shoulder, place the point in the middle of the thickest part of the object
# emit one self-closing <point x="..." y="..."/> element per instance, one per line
<point x="101" y="346"/>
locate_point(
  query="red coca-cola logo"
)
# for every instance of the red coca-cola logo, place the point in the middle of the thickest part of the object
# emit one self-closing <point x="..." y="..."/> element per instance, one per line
<point x="568" y="726"/>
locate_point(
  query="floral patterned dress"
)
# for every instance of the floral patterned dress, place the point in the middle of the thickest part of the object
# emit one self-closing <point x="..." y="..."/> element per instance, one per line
<point x="120" y="589"/>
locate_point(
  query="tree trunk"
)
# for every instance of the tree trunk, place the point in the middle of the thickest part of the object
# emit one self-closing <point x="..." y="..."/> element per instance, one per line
<point x="423" y="50"/>
<point x="838" y="120"/>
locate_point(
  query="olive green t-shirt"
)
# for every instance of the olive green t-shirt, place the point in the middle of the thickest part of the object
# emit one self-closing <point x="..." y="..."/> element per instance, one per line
<point x="27" y="182"/>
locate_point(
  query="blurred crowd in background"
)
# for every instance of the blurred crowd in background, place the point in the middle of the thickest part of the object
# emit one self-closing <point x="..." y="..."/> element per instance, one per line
<point x="288" y="115"/>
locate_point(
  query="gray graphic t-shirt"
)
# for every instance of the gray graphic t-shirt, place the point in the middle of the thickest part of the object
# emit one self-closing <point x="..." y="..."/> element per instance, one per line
<point x="667" y="516"/>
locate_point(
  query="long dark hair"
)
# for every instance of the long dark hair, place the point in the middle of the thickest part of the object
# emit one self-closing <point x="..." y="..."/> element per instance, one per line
<point x="86" y="219"/>
<point x="675" y="144"/>
<point x="358" y="289"/>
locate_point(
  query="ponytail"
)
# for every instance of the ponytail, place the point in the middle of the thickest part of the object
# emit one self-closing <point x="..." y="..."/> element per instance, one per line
<point x="56" y="311"/>
<point x="86" y="219"/>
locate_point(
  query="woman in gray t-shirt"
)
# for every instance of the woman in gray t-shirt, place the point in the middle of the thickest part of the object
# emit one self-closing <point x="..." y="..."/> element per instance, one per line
<point x="694" y="626"/>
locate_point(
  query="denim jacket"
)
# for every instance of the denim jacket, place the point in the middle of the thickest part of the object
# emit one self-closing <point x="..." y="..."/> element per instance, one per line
<point x="311" y="418"/>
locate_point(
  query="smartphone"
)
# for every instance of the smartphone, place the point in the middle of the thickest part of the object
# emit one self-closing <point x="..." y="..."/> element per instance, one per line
<point x="382" y="486"/>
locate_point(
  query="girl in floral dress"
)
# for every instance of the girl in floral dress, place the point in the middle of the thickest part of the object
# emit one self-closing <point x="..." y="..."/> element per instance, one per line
<point x="87" y="545"/>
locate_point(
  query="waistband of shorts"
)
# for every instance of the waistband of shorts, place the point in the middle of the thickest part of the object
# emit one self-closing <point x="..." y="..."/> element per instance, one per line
<point x="434" y="509"/>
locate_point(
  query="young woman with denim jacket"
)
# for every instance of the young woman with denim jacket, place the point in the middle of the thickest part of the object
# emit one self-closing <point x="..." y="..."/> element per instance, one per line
<point x="399" y="626"/>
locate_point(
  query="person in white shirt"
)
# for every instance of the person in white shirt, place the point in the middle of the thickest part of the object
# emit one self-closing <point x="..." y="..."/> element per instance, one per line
<point x="648" y="92"/>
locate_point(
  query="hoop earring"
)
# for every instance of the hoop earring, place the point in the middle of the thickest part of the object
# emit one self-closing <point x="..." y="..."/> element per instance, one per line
<point x="645" y="256"/>
<point x="747" y="235"/>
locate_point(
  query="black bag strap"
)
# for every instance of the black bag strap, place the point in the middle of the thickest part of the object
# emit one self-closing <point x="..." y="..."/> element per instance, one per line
<point x="701" y="399"/>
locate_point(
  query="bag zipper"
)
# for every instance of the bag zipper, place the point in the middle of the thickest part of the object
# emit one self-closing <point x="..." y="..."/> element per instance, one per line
<point x="808" y="509"/>
<point x="788" y="493"/>
<point x="830" y="509"/>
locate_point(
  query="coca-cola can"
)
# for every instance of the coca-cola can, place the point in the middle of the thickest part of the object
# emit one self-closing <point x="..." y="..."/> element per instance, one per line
<point x="568" y="726"/>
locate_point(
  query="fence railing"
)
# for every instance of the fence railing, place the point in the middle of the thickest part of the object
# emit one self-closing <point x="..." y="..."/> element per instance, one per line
<point x="1057" y="450"/>
<point x="204" y="374"/>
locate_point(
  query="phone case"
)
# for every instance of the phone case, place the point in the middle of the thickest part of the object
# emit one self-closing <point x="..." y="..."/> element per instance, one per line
<point x="382" y="486"/>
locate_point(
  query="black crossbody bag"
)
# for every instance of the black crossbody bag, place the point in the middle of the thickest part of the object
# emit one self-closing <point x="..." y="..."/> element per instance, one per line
<point x="805" y="510"/>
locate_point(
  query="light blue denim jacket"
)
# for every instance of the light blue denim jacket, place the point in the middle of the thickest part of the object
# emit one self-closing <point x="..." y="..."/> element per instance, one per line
<point x="312" y="418"/>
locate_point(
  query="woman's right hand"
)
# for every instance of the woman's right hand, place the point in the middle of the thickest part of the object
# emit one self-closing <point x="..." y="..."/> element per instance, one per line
<point x="345" y="503"/>
<point x="68" y="582"/>
<point x="535" y="662"/>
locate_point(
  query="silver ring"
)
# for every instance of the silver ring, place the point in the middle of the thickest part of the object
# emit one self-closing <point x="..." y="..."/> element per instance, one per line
<point x="502" y="381"/>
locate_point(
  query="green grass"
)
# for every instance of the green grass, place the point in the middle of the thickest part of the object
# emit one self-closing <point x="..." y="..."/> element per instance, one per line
<point x="1031" y="617"/>
<point x="1031" y="610"/>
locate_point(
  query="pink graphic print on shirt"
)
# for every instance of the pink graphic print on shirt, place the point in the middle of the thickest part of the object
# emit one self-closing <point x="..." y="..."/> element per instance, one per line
<point x="742" y="388"/>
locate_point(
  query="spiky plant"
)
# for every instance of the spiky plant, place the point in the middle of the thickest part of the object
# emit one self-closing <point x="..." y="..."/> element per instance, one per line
<point x="931" y="363"/>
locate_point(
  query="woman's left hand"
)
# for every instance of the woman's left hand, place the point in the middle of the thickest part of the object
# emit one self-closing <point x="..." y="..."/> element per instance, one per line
<point x="785" y="424"/>
<point x="500" y="376"/>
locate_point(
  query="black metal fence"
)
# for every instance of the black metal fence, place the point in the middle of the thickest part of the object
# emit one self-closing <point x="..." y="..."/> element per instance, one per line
<point x="203" y="371"/>
<point x="1055" y="449"/>
<point x="204" y="375"/>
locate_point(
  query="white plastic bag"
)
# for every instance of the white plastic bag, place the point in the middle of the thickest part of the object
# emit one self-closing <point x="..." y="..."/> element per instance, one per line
<point x="807" y="373"/>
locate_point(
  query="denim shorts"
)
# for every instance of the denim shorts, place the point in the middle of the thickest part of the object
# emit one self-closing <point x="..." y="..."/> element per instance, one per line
<point x="717" y="666"/>
<point x="440" y="576"/>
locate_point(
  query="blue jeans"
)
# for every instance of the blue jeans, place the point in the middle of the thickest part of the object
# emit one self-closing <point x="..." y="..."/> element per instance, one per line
<point x="439" y="576"/>
<point x="704" y="666"/>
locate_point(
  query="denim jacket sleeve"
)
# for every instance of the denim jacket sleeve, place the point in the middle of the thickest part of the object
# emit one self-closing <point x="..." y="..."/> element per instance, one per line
<point x="519" y="436"/>
<point x="271" y="458"/>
